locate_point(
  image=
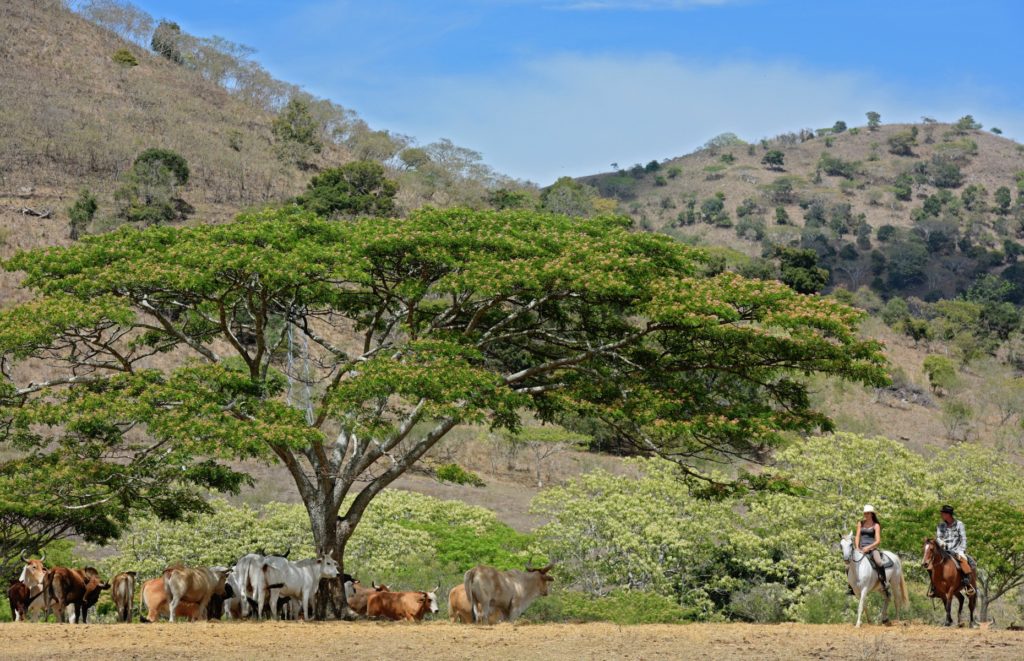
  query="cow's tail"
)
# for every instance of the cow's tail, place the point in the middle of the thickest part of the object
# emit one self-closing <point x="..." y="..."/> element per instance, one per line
<point x="467" y="583"/>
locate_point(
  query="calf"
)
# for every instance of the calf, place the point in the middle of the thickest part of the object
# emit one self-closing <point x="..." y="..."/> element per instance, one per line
<point x="123" y="594"/>
<point x="356" y="595"/>
<point x="195" y="584"/>
<point x="19" y="596"/>
<point x="459" y="609"/>
<point x="409" y="606"/>
<point x="301" y="580"/>
<point x="494" y="595"/>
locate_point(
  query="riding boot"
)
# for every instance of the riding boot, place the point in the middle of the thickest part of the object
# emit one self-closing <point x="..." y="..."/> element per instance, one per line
<point x="885" y="583"/>
<point x="968" y="588"/>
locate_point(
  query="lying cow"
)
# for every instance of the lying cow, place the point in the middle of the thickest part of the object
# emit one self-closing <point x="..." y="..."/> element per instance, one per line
<point x="73" y="587"/>
<point x="356" y="595"/>
<point x="409" y="606"/>
<point x="299" y="580"/>
<point x="458" y="605"/>
<point x="155" y="603"/>
<point x="18" y="596"/>
<point x="123" y="594"/>
<point x="196" y="584"/>
<point x="503" y="595"/>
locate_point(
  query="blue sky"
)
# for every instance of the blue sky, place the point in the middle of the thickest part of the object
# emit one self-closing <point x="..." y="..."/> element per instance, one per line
<point x="545" y="88"/>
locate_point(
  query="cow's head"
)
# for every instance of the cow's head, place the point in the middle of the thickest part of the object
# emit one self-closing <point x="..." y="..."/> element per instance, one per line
<point x="543" y="578"/>
<point x="222" y="574"/>
<point x="432" y="597"/>
<point x="34" y="573"/>
<point x="328" y="566"/>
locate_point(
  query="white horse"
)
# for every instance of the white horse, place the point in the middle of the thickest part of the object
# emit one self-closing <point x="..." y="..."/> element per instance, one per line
<point x="863" y="578"/>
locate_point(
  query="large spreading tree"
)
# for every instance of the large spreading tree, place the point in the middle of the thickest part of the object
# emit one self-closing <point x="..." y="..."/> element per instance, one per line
<point x="347" y="350"/>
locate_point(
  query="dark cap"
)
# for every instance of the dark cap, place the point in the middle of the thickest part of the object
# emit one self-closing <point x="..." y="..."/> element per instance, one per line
<point x="947" y="509"/>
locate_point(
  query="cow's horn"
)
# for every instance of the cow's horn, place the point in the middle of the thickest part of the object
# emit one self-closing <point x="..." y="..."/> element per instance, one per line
<point x="24" y="554"/>
<point x="373" y="584"/>
<point x="288" y="552"/>
<point x="43" y="557"/>
<point x="436" y="588"/>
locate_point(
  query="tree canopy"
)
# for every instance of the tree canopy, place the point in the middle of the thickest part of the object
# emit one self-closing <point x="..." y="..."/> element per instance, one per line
<point x="408" y="328"/>
<point x="359" y="188"/>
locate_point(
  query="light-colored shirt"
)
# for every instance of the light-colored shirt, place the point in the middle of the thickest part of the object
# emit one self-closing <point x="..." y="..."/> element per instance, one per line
<point x="952" y="537"/>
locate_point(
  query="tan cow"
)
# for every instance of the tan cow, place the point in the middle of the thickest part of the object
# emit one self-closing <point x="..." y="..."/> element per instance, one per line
<point x="155" y="603"/>
<point x="123" y="594"/>
<point x="458" y="605"/>
<point x="503" y="595"/>
<point x="408" y="606"/>
<point x="34" y="576"/>
<point x="356" y="595"/>
<point x="195" y="584"/>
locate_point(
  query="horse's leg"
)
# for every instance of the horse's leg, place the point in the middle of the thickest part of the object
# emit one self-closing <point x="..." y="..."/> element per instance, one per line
<point x="860" y="606"/>
<point x="947" y="601"/>
<point x="885" y="609"/>
<point x="971" y="602"/>
<point x="960" y="609"/>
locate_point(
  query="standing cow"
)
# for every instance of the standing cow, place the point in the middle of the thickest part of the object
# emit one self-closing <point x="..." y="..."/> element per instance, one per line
<point x="18" y="596"/>
<point x="73" y="587"/>
<point x="299" y="580"/>
<point x="503" y="595"/>
<point x="459" y="609"/>
<point x="34" y="575"/>
<point x="155" y="602"/>
<point x="408" y="606"/>
<point x="123" y="594"/>
<point x="195" y="584"/>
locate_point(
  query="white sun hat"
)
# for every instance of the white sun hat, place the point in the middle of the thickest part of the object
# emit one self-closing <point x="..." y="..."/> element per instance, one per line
<point x="869" y="508"/>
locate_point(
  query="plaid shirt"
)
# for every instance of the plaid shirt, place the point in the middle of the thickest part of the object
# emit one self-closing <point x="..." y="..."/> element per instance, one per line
<point x="952" y="537"/>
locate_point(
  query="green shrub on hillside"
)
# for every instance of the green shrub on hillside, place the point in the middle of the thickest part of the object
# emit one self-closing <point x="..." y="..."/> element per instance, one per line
<point x="124" y="57"/>
<point x="456" y="474"/>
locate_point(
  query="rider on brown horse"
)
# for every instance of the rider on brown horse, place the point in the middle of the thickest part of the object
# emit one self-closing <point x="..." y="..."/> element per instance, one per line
<point x="952" y="536"/>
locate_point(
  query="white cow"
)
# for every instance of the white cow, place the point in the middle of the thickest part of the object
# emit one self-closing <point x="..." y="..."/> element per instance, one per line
<point x="298" y="580"/>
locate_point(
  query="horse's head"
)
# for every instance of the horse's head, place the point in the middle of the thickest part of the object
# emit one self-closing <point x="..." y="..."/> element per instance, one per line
<point x="931" y="553"/>
<point x="846" y="544"/>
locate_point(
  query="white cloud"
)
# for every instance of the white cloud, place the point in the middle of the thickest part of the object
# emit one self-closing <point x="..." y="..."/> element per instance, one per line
<point x="575" y="115"/>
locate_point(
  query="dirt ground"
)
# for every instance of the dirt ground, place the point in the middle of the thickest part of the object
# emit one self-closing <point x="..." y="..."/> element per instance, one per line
<point x="440" y="640"/>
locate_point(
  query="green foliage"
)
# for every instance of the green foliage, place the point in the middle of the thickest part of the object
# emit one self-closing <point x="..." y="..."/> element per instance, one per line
<point x="944" y="173"/>
<point x="874" y="120"/>
<point x="166" y="41"/>
<point x="359" y="188"/>
<point x="297" y="132"/>
<point x="903" y="143"/>
<point x="150" y="191"/>
<point x="781" y="216"/>
<point x="1003" y="200"/>
<point x="81" y="213"/>
<point x="835" y="166"/>
<point x="505" y="198"/>
<point x="125" y="58"/>
<point x="941" y="373"/>
<point x="839" y="126"/>
<point x="653" y="166"/>
<point x="774" y="159"/>
<point x="965" y="124"/>
<point x="674" y="171"/>
<point x="800" y="270"/>
<point x="570" y="197"/>
<point x="456" y="474"/>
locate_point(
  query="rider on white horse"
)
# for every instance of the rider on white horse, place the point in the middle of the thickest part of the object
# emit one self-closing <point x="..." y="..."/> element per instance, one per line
<point x="869" y="538"/>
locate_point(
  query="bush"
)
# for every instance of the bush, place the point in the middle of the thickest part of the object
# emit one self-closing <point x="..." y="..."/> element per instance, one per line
<point x="762" y="603"/>
<point x="837" y="167"/>
<point x="623" y="607"/>
<point x="355" y="189"/>
<point x="456" y="474"/>
<point x="124" y="57"/>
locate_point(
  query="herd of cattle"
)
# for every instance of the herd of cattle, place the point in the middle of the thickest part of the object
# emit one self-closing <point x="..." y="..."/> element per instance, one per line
<point x="258" y="586"/>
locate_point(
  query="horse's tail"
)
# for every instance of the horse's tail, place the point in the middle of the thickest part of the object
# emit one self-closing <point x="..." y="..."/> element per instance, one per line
<point x="900" y="595"/>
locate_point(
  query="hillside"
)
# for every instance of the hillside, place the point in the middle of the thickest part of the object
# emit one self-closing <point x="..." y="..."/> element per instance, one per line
<point x="895" y="228"/>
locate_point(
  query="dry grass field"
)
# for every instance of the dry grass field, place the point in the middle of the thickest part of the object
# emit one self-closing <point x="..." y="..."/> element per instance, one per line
<point x="441" y="640"/>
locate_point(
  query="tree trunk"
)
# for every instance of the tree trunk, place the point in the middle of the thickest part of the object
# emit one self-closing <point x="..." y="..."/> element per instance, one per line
<point x="983" y="599"/>
<point x="330" y="536"/>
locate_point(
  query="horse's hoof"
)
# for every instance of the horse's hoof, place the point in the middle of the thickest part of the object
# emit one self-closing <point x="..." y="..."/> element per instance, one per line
<point x="886" y="622"/>
<point x="948" y="624"/>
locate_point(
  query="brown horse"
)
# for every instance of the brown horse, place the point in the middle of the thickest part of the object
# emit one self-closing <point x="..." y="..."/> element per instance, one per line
<point x="947" y="580"/>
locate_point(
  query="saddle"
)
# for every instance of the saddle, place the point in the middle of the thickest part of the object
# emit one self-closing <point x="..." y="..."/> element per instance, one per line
<point x="886" y="561"/>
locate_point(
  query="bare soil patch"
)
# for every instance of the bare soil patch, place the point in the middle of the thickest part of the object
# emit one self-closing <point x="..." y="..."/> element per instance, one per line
<point x="441" y="640"/>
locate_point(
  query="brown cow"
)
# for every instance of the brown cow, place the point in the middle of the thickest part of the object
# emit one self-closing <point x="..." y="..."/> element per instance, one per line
<point x="155" y="602"/>
<point x="409" y="606"/>
<point x="123" y="594"/>
<point x="196" y="584"/>
<point x="458" y="605"/>
<point x="357" y="595"/>
<point x="19" y="596"/>
<point x="495" y="595"/>
<point x="73" y="587"/>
